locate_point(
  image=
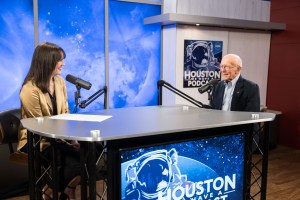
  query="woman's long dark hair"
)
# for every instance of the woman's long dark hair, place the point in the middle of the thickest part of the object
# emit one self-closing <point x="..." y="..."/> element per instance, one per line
<point x="44" y="59"/>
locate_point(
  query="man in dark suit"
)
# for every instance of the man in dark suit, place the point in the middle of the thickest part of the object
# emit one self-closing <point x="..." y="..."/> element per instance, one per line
<point x="234" y="92"/>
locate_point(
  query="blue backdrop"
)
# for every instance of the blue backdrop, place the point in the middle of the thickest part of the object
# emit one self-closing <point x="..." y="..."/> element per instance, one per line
<point x="79" y="28"/>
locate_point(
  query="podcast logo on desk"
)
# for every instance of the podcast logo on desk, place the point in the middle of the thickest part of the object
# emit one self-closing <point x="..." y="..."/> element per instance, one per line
<point x="201" y="62"/>
<point x="162" y="173"/>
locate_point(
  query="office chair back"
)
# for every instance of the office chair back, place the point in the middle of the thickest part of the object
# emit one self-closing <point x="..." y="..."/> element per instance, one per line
<point x="9" y="124"/>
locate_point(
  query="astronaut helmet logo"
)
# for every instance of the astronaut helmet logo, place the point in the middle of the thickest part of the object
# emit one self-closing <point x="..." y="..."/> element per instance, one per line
<point x="152" y="173"/>
<point x="200" y="55"/>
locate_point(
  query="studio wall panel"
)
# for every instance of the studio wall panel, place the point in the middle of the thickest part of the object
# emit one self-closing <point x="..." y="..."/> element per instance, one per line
<point x="254" y="49"/>
<point x="169" y="72"/>
<point x="279" y="5"/>
<point x="78" y="27"/>
<point x="134" y="54"/>
<point x="237" y="9"/>
<point x="16" y="47"/>
<point x="284" y="75"/>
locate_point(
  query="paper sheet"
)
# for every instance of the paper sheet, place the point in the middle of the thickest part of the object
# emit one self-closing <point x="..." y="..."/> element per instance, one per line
<point x="81" y="117"/>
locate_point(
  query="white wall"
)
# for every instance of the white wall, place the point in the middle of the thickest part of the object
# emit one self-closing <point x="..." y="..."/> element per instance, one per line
<point x="254" y="49"/>
<point x="169" y="72"/>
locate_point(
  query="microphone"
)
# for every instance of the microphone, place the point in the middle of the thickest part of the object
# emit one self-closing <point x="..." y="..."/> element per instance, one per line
<point x="212" y="83"/>
<point x="78" y="82"/>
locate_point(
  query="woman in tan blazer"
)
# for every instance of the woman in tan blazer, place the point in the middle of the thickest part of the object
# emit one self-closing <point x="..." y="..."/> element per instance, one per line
<point x="44" y="93"/>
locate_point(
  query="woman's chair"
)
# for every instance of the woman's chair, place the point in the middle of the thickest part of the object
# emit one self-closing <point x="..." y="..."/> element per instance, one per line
<point x="9" y="124"/>
<point x="13" y="169"/>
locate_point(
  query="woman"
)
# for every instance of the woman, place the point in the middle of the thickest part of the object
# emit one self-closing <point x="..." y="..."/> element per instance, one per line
<point x="43" y="93"/>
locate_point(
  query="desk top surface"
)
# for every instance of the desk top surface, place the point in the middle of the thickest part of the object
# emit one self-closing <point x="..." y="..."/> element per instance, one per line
<point x="142" y="121"/>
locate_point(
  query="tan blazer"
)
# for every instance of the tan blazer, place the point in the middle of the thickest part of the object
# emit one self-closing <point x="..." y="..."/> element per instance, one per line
<point x="35" y="103"/>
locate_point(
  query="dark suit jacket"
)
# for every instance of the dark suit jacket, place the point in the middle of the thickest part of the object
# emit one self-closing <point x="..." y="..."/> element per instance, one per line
<point x="245" y="96"/>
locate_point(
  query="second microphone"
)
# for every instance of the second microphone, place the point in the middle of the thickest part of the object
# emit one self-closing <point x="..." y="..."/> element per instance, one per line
<point x="78" y="82"/>
<point x="208" y="86"/>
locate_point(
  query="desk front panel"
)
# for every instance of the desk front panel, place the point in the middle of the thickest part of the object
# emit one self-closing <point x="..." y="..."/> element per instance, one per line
<point x="204" y="164"/>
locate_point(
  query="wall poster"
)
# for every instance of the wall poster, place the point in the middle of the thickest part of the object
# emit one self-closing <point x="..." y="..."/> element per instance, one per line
<point x="201" y="62"/>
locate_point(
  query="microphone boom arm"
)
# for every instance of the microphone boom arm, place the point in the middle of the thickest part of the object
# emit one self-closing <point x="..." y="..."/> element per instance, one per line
<point x="161" y="83"/>
<point x="93" y="97"/>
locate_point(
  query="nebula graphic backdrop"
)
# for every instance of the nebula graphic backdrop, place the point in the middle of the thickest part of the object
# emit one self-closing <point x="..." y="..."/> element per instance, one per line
<point x="16" y="48"/>
<point x="79" y="28"/>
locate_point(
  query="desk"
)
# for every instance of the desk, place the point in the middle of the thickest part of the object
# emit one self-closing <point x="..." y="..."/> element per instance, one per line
<point x="144" y="126"/>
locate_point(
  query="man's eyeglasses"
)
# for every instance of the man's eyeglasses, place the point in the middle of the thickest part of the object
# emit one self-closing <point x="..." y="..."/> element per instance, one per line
<point x="226" y="67"/>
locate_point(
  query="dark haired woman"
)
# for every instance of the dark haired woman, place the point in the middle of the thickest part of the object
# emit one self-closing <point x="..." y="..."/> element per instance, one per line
<point x="43" y="93"/>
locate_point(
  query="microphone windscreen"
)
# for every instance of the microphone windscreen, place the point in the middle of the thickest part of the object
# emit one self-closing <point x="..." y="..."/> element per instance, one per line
<point x="78" y="82"/>
<point x="71" y="79"/>
<point x="214" y="82"/>
<point x="208" y="86"/>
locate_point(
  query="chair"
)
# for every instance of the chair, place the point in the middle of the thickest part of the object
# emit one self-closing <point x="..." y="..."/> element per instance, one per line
<point x="9" y="124"/>
<point x="14" y="172"/>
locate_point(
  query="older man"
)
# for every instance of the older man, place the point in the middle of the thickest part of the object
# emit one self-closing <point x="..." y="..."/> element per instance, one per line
<point x="234" y="92"/>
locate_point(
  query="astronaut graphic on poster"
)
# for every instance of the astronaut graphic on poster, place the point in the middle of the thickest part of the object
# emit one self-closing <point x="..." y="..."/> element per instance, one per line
<point x="201" y="62"/>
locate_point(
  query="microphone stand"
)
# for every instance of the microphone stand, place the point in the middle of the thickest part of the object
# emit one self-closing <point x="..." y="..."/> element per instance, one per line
<point x="161" y="83"/>
<point x="77" y="97"/>
<point x="92" y="98"/>
<point x="209" y="94"/>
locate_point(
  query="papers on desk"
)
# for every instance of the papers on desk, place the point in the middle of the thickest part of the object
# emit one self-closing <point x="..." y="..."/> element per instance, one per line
<point x="81" y="117"/>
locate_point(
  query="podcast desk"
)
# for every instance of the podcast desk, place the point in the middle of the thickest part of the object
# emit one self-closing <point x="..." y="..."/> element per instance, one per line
<point x="162" y="132"/>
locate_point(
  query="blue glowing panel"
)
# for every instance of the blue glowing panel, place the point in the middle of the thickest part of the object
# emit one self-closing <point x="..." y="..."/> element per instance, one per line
<point x="78" y="27"/>
<point x="134" y="54"/>
<point x="16" y="47"/>
<point x="210" y="168"/>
